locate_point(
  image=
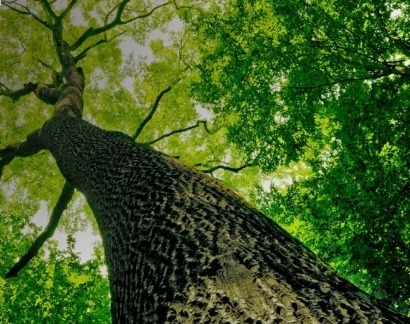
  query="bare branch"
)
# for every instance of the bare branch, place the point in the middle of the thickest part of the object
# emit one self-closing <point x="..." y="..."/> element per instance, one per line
<point x="61" y="205"/>
<point x="225" y="167"/>
<point x="27" y="11"/>
<point x="148" y="13"/>
<point x="179" y="131"/>
<point x="117" y="21"/>
<point x="6" y="159"/>
<point x="31" y="146"/>
<point x="154" y="108"/>
<point x="93" y="32"/>
<point x="17" y="94"/>
<point x="47" y="93"/>
<point x="49" y="10"/>
<point x="83" y="53"/>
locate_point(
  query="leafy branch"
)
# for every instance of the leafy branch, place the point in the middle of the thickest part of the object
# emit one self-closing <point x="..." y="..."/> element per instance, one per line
<point x="61" y="205"/>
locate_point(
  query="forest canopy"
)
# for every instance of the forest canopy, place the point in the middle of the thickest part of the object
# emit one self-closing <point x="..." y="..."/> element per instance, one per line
<point x="300" y="106"/>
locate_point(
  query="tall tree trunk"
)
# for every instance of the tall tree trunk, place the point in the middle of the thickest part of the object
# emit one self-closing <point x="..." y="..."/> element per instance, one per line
<point x="180" y="248"/>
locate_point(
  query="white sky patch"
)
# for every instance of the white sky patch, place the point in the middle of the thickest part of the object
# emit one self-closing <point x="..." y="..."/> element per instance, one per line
<point x="99" y="78"/>
<point x="84" y="240"/>
<point x="8" y="188"/>
<point x="279" y="119"/>
<point x="204" y="113"/>
<point x="77" y="17"/>
<point x="128" y="83"/>
<point x="278" y="182"/>
<point x="396" y="13"/>
<point x="130" y="47"/>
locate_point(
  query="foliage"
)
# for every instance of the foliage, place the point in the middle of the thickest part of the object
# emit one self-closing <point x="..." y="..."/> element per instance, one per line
<point x="314" y="91"/>
<point x="54" y="288"/>
<point x="323" y="84"/>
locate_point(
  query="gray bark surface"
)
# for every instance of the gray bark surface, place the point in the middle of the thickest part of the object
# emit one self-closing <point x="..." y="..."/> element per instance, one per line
<point x="180" y="248"/>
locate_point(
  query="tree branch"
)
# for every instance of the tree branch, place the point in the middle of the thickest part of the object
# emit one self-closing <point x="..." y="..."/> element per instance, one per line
<point x="225" y="167"/>
<point x="179" y="131"/>
<point x="148" y="13"/>
<point x="26" y="12"/>
<point x="30" y="147"/>
<point x="17" y="94"/>
<point x="49" y="10"/>
<point x="67" y="9"/>
<point x="5" y="161"/>
<point x="84" y="52"/>
<point x="93" y="32"/>
<point x="117" y="21"/>
<point x="151" y="113"/>
<point x="65" y="197"/>
<point x="340" y="81"/>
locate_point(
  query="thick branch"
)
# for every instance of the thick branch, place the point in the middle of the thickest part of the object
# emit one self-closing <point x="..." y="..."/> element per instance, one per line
<point x="49" y="10"/>
<point x="31" y="146"/>
<point x="63" y="200"/>
<point x="151" y="113"/>
<point x="179" y="131"/>
<point x="47" y="94"/>
<point x="340" y="81"/>
<point x="17" y="94"/>
<point x="70" y="101"/>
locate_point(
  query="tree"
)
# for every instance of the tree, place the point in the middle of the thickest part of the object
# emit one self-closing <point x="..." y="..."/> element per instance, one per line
<point x="322" y="87"/>
<point x="178" y="245"/>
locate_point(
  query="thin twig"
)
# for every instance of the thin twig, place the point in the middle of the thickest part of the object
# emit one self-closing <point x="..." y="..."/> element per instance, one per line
<point x="225" y="167"/>
<point x="90" y="32"/>
<point x="27" y="12"/>
<point x="84" y="52"/>
<point x="179" y="131"/>
<point x="151" y="113"/>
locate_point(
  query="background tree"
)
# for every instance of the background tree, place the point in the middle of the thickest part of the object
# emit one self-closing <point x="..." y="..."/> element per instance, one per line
<point x="322" y="88"/>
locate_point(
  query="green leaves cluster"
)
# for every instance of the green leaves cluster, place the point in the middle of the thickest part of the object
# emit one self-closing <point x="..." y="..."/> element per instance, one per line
<point x="324" y="84"/>
<point x="56" y="286"/>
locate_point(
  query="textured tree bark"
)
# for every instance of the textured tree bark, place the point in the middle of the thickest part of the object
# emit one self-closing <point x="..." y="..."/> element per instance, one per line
<point x="180" y="248"/>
